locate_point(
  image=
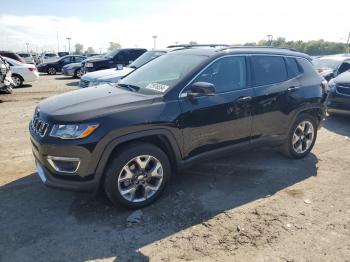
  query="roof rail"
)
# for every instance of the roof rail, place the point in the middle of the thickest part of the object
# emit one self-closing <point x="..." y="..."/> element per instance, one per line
<point x="197" y="45"/>
<point x="257" y="46"/>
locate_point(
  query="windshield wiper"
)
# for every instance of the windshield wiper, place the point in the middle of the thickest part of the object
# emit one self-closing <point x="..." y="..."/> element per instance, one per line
<point x="132" y="88"/>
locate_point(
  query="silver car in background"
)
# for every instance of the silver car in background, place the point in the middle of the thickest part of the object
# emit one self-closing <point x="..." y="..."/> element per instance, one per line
<point x="113" y="75"/>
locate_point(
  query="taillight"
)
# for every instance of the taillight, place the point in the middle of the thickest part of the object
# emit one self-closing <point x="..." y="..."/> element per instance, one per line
<point x="324" y="86"/>
<point x="32" y="69"/>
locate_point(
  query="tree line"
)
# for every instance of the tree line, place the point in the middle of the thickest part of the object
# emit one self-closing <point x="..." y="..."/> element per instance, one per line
<point x="312" y="47"/>
<point x="79" y="48"/>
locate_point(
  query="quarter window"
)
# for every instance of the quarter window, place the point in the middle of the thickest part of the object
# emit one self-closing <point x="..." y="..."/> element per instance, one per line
<point x="226" y="74"/>
<point x="268" y="70"/>
<point x="292" y="67"/>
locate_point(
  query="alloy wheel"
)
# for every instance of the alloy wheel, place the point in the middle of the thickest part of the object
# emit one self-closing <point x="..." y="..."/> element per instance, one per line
<point x="303" y="137"/>
<point x="52" y="71"/>
<point x="17" y="81"/>
<point x="79" y="73"/>
<point x="140" y="178"/>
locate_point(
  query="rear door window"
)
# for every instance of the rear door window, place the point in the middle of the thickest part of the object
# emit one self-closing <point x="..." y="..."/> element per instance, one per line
<point x="268" y="70"/>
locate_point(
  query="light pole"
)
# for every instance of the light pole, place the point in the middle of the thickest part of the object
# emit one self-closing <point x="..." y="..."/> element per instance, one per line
<point x="27" y="44"/>
<point x="154" y="41"/>
<point x="58" y="42"/>
<point x="69" y="38"/>
<point x="269" y="39"/>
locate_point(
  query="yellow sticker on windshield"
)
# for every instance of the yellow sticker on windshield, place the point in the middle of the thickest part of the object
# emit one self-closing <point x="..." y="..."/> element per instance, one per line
<point x="157" y="87"/>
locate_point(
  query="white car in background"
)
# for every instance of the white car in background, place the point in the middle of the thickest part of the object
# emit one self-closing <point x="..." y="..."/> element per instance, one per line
<point x="22" y="72"/>
<point x="48" y="57"/>
<point x="27" y="58"/>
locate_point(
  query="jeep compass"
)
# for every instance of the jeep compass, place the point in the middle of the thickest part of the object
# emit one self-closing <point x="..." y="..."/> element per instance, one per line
<point x="185" y="106"/>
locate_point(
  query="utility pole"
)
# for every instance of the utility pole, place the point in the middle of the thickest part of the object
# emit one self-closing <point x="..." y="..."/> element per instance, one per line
<point x="269" y="39"/>
<point x="154" y="41"/>
<point x="27" y="44"/>
<point x="69" y="38"/>
<point x="58" y="42"/>
<point x="348" y="42"/>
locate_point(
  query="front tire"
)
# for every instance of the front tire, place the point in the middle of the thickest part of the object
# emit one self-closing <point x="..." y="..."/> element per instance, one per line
<point x="301" y="138"/>
<point x="51" y="71"/>
<point x="137" y="176"/>
<point x="78" y="73"/>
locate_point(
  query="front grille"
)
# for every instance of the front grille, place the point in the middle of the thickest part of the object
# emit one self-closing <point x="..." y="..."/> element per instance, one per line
<point x="83" y="83"/>
<point x="343" y="89"/>
<point x="39" y="126"/>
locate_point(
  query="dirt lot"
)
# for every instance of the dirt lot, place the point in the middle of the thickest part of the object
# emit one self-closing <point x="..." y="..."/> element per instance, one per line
<point x="254" y="206"/>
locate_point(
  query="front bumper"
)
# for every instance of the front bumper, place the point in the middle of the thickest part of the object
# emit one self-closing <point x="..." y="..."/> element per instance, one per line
<point x="68" y="72"/>
<point x="83" y="179"/>
<point x="338" y="103"/>
<point x="42" y="69"/>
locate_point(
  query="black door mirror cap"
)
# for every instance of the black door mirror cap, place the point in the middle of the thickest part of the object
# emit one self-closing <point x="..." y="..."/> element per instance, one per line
<point x="201" y="89"/>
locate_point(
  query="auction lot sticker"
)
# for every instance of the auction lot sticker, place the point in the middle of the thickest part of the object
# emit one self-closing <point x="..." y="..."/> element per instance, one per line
<point x="157" y="87"/>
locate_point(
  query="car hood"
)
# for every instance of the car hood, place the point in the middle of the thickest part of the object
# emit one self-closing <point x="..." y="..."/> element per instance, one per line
<point x="89" y="103"/>
<point x="107" y="74"/>
<point x="343" y="78"/>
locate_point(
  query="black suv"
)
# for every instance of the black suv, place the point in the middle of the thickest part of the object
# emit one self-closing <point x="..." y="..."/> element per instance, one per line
<point x="185" y="106"/>
<point x="123" y="56"/>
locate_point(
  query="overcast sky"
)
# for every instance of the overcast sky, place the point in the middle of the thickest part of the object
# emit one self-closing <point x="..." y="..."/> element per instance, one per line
<point x="133" y="22"/>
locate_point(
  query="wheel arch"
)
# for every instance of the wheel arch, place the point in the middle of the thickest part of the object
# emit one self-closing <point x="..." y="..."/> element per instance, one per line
<point x="162" y="138"/>
<point x="316" y="111"/>
<point x="18" y="75"/>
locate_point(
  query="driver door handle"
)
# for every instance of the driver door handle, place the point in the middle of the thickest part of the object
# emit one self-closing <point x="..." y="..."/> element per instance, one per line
<point x="244" y="99"/>
<point x="293" y="88"/>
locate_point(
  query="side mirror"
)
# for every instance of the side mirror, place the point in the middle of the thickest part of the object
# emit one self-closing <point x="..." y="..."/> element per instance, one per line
<point x="201" y="89"/>
<point x="119" y="67"/>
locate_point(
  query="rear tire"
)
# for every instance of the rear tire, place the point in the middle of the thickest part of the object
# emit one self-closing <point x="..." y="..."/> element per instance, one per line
<point x="51" y="71"/>
<point x="137" y="175"/>
<point x="6" y="90"/>
<point x="301" y="137"/>
<point x="17" y="80"/>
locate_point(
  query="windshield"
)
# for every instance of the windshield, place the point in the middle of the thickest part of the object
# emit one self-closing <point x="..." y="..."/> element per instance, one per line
<point x="326" y="63"/>
<point x="50" y="55"/>
<point x="112" y="53"/>
<point x="24" y="55"/>
<point x="162" y="73"/>
<point x="145" y="58"/>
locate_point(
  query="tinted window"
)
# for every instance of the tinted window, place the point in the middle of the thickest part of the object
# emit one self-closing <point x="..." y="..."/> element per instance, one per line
<point x="268" y="70"/>
<point x="292" y="67"/>
<point x="344" y="67"/>
<point x="66" y="60"/>
<point x="122" y="56"/>
<point x="226" y="74"/>
<point x="78" y="59"/>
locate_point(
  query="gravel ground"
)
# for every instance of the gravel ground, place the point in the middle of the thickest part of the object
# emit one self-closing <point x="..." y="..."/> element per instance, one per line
<point x="253" y="206"/>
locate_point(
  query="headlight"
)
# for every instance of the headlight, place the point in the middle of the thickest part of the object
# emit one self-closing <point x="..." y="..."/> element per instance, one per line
<point x="89" y="65"/>
<point x="73" y="131"/>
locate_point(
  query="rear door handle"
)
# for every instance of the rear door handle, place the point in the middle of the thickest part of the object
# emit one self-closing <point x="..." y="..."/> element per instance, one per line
<point x="293" y="88"/>
<point x="244" y="99"/>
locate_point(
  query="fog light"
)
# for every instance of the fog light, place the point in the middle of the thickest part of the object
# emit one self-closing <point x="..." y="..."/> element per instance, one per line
<point x="64" y="164"/>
